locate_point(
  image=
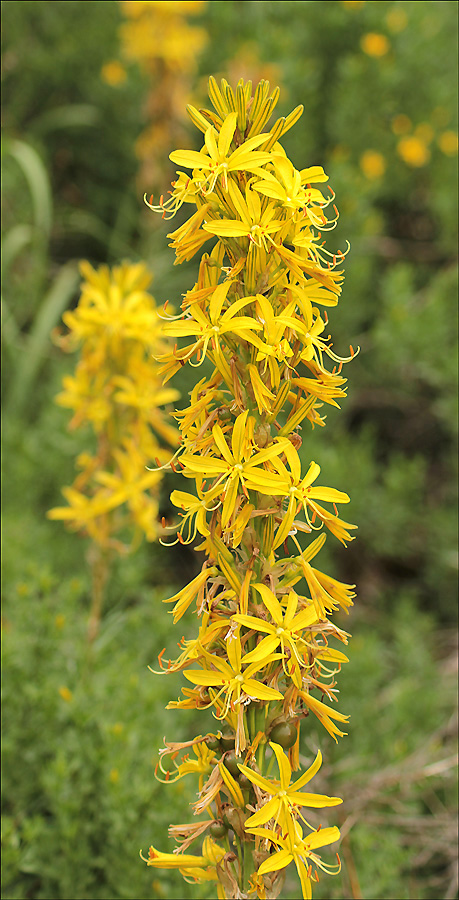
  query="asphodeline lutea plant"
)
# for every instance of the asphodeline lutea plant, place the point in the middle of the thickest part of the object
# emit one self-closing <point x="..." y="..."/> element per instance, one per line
<point x="262" y="660"/>
<point x="117" y="391"/>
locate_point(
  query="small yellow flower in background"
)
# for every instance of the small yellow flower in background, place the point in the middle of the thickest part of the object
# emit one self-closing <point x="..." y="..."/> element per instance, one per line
<point x="375" y="44"/>
<point x="113" y="73"/>
<point x="157" y="36"/>
<point x="66" y="694"/>
<point x="424" y="132"/>
<point x="448" y="143"/>
<point x="59" y="621"/>
<point x="414" y="151"/>
<point x="396" y="20"/>
<point x="158" y="30"/>
<point x="353" y="4"/>
<point x="117" y="728"/>
<point x="114" y="776"/>
<point x="372" y="164"/>
<point x="401" y="124"/>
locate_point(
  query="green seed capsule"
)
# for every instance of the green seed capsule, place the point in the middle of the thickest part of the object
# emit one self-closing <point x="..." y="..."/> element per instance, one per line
<point x="227" y="741"/>
<point x="213" y="744"/>
<point x="218" y="829"/>
<point x="244" y="782"/>
<point x="231" y="762"/>
<point x="224" y="414"/>
<point x="284" y="734"/>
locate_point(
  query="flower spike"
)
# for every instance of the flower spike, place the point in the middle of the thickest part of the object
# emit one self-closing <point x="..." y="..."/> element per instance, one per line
<point x="264" y="657"/>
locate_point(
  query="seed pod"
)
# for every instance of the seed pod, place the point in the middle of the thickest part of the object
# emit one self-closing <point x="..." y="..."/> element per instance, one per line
<point x="285" y="734"/>
<point x="218" y="829"/>
<point x="231" y="762"/>
<point x="244" y="782"/>
<point x="227" y="741"/>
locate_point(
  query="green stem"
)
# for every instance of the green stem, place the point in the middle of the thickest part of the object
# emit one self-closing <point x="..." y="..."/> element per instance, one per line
<point x="270" y="765"/>
<point x="240" y="853"/>
<point x="99" y="562"/>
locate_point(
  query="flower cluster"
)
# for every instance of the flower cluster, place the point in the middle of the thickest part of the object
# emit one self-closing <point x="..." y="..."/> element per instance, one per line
<point x="117" y="391"/>
<point x="262" y="660"/>
<point x="159" y="38"/>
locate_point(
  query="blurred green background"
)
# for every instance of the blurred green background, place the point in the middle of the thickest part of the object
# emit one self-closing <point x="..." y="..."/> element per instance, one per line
<point x="94" y="94"/>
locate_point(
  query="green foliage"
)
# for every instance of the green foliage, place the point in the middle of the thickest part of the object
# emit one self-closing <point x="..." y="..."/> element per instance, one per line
<point x="81" y="762"/>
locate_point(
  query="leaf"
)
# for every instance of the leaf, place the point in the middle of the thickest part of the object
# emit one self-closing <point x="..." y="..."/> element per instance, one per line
<point x="37" y="178"/>
<point x="35" y="346"/>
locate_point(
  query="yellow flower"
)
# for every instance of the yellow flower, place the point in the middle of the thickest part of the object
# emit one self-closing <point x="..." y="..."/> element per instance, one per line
<point x="209" y="329"/>
<point x="216" y="161"/>
<point x="201" y="766"/>
<point x="238" y="468"/>
<point x="448" y="143"/>
<point x="325" y="714"/>
<point x="325" y="591"/>
<point x="373" y="164"/>
<point x="396" y="19"/>
<point x="113" y="73"/>
<point x="231" y="678"/>
<point x="184" y="192"/>
<point x="375" y="44"/>
<point x="414" y="151"/>
<point x="114" y="306"/>
<point x="424" y="132"/>
<point x="66" y="694"/>
<point x="116" y="388"/>
<point x="186" y="595"/>
<point x="285" y="629"/>
<point x="285" y="795"/>
<point x="301" y="493"/>
<point x="256" y="223"/>
<point x="287" y="184"/>
<point x="198" y="868"/>
<point x="193" y="508"/>
<point x="401" y="124"/>
<point x="298" y="849"/>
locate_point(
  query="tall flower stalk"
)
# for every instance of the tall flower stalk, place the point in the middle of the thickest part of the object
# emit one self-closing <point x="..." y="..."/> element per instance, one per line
<point x="116" y="390"/>
<point x="262" y="660"/>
